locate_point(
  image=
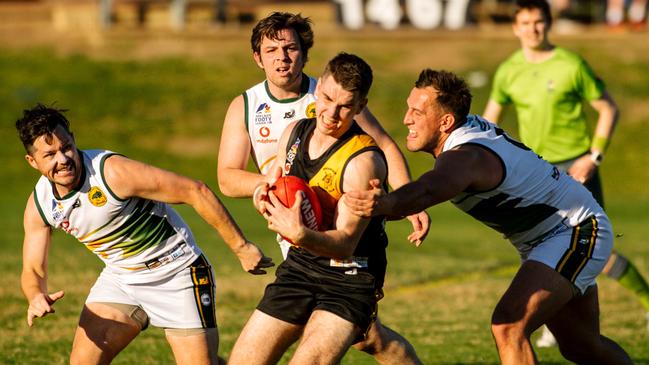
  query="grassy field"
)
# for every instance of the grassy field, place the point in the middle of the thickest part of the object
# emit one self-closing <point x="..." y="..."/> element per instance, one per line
<point x="161" y="99"/>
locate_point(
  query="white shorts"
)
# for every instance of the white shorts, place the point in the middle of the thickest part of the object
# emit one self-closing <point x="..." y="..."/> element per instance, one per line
<point x="184" y="300"/>
<point x="577" y="253"/>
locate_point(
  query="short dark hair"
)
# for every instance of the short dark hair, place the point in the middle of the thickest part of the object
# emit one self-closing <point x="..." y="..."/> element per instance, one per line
<point x="351" y="72"/>
<point x="38" y="121"/>
<point x="453" y="93"/>
<point x="271" y="25"/>
<point x="541" y="5"/>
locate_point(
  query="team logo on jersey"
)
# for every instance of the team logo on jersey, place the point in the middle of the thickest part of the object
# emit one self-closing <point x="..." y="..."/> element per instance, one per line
<point x="290" y="114"/>
<point x="96" y="196"/>
<point x="264" y="131"/>
<point x="262" y="115"/>
<point x="263" y="108"/>
<point x="57" y="211"/>
<point x="328" y="181"/>
<point x="310" y="110"/>
<point x="205" y="299"/>
<point x="290" y="156"/>
<point x="550" y="86"/>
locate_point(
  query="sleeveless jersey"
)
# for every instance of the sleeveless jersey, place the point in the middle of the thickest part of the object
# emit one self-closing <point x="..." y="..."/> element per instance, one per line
<point x="533" y="196"/>
<point x="267" y="117"/>
<point x="139" y="240"/>
<point x="325" y="175"/>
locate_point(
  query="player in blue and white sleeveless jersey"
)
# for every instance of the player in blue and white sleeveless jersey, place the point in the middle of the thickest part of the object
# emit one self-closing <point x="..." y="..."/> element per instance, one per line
<point x="119" y="209"/>
<point x="256" y="119"/>
<point x="563" y="236"/>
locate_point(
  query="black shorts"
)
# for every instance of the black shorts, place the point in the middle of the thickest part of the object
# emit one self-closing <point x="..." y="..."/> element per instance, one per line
<point x="301" y="288"/>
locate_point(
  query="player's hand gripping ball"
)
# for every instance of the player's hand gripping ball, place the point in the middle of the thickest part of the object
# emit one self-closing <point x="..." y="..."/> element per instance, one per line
<point x="285" y="189"/>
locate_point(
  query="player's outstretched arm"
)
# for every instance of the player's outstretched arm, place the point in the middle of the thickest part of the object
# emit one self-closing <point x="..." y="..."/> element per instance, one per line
<point x="455" y="171"/>
<point x="398" y="170"/>
<point x="33" y="279"/>
<point x="129" y="178"/>
<point x="234" y="180"/>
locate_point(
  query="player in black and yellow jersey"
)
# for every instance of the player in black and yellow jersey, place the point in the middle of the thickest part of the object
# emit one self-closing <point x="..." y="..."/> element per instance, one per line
<point x="326" y="291"/>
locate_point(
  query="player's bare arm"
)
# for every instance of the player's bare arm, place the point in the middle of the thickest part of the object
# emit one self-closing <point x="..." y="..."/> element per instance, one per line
<point x="33" y="279"/>
<point x="467" y="168"/>
<point x="340" y="242"/>
<point x="399" y="173"/>
<point x="492" y="111"/>
<point x="129" y="178"/>
<point x="234" y="150"/>
<point x="584" y="168"/>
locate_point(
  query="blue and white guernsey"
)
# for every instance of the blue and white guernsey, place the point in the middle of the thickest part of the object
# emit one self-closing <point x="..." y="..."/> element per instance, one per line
<point x="267" y="118"/>
<point x="533" y="196"/>
<point x="139" y="240"/>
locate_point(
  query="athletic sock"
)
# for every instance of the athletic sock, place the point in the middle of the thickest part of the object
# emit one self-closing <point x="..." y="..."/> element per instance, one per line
<point x="633" y="281"/>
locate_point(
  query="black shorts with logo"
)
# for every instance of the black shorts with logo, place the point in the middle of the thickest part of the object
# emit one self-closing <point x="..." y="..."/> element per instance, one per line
<point x="302" y="286"/>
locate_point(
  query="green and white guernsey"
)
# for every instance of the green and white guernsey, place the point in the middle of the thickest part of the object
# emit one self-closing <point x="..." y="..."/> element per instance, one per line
<point x="140" y="240"/>
<point x="267" y="117"/>
<point x="533" y="196"/>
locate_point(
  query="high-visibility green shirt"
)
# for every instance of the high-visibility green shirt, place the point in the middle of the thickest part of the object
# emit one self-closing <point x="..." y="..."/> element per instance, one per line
<point x="549" y="97"/>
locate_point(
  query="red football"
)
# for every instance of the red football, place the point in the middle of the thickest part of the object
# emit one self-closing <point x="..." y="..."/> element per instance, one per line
<point x="285" y="188"/>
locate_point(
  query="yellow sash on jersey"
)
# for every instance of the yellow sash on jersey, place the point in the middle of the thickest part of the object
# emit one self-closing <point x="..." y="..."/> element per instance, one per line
<point x="329" y="177"/>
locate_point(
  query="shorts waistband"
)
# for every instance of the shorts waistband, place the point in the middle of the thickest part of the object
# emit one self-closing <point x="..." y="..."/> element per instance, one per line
<point x="171" y="255"/>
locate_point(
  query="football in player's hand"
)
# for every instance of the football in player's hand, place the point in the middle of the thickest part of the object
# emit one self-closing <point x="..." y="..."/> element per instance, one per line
<point x="285" y="189"/>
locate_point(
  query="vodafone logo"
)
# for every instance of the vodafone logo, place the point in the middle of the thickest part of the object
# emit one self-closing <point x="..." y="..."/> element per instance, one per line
<point x="264" y="131"/>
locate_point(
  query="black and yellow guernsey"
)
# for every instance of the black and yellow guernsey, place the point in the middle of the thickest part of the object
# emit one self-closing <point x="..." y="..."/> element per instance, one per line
<point x="325" y="175"/>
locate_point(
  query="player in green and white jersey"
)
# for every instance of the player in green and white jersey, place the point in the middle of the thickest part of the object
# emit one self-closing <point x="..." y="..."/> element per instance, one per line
<point x="548" y="85"/>
<point x="119" y="209"/>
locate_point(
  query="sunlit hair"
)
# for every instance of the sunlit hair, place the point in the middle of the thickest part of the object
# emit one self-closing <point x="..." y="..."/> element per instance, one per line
<point x="350" y="72"/>
<point x="272" y="25"/>
<point x="38" y="121"/>
<point x="453" y="94"/>
<point x="541" y="5"/>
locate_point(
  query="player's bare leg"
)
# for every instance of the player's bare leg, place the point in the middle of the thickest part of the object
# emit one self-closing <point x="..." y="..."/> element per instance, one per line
<point x="387" y="346"/>
<point x="102" y="333"/>
<point x="535" y="294"/>
<point x="195" y="347"/>
<point x="539" y="294"/>
<point x="325" y="340"/>
<point x="576" y="328"/>
<point x="263" y="340"/>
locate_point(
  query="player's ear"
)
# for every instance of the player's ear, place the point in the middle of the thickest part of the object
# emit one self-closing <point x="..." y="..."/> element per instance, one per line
<point x="447" y="123"/>
<point x="31" y="161"/>
<point x="257" y="58"/>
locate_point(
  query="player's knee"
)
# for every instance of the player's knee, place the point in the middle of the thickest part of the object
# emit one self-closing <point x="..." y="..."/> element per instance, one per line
<point x="369" y="345"/>
<point x="507" y="332"/>
<point x="374" y="342"/>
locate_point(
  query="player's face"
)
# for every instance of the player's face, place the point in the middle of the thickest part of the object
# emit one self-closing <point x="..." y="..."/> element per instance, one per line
<point x="56" y="157"/>
<point x="423" y="120"/>
<point x="281" y="59"/>
<point x="531" y="28"/>
<point x="335" y="107"/>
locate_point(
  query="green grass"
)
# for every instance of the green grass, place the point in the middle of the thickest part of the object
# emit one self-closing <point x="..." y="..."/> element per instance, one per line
<point x="168" y="112"/>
